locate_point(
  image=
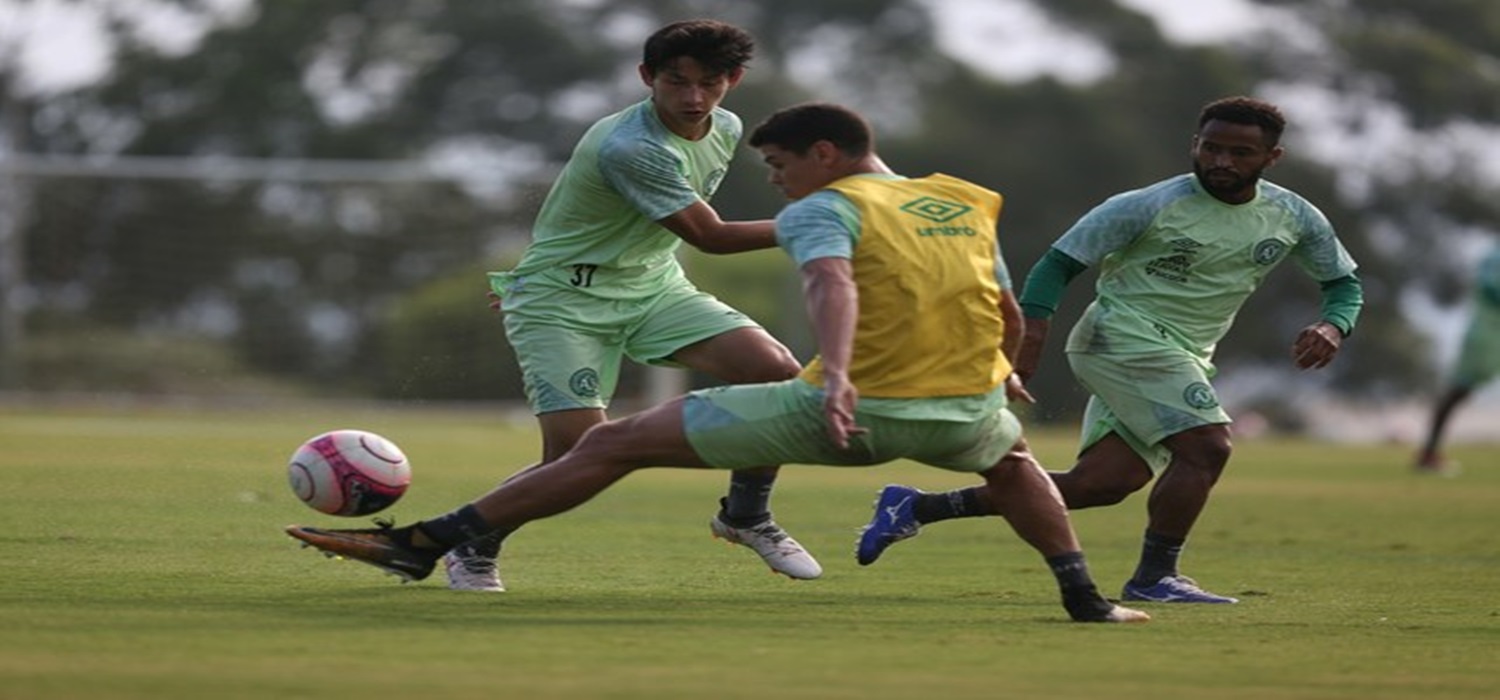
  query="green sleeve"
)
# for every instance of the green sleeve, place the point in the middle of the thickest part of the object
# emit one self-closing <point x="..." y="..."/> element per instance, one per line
<point x="1046" y="282"/>
<point x="1342" y="299"/>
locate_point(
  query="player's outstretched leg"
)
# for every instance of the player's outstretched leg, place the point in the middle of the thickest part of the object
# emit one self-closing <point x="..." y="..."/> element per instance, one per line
<point x="892" y="522"/>
<point x="782" y="553"/>
<point x="386" y="547"/>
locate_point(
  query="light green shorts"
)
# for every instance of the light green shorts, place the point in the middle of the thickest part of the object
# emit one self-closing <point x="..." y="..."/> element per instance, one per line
<point x="1479" y="356"/>
<point x="777" y="423"/>
<point x="1145" y="398"/>
<point x="570" y="345"/>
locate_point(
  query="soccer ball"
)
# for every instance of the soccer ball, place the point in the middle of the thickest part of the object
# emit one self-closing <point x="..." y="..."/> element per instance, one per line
<point x="349" y="472"/>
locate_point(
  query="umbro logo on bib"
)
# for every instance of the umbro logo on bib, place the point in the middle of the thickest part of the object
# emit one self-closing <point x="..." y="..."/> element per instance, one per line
<point x="934" y="209"/>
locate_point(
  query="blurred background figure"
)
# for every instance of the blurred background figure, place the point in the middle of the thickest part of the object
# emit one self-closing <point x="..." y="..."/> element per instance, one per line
<point x="1478" y="363"/>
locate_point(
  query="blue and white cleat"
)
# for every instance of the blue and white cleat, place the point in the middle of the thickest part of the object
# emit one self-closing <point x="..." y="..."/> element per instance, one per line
<point x="893" y="521"/>
<point x="1173" y="589"/>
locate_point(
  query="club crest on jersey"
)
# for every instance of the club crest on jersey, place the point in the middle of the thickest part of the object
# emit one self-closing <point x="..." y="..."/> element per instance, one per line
<point x="584" y="382"/>
<point x="1200" y="396"/>
<point x="1269" y="251"/>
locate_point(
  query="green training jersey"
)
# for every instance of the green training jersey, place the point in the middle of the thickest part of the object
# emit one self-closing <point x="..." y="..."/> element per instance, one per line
<point x="1484" y="320"/>
<point x="1176" y="264"/>
<point x="1487" y="282"/>
<point x="597" y="231"/>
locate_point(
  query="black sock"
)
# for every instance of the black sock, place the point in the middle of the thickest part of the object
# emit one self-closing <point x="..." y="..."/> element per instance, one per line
<point x="1079" y="594"/>
<point x="486" y="546"/>
<point x="749" y="501"/>
<point x="456" y="528"/>
<point x="1159" y="554"/>
<point x="958" y="503"/>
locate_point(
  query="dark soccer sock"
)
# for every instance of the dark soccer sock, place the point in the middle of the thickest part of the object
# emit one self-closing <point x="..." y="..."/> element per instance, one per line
<point x="958" y="503"/>
<point x="456" y="528"/>
<point x="487" y="546"/>
<point x="1079" y="594"/>
<point x="749" y="501"/>
<point x="1159" y="555"/>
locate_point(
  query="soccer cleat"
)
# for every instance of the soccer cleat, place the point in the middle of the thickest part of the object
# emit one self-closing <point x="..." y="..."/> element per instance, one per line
<point x="1173" y="589"/>
<point x="783" y="554"/>
<point x="1118" y="613"/>
<point x="469" y="571"/>
<point x="892" y="522"/>
<point x="377" y="547"/>
<point x="1437" y="465"/>
<point x="1104" y="611"/>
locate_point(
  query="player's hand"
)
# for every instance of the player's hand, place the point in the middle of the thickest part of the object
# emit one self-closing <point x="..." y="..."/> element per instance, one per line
<point x="1016" y="391"/>
<point x="494" y="301"/>
<point x="1030" y="354"/>
<point x="839" y="400"/>
<point x="1316" y="345"/>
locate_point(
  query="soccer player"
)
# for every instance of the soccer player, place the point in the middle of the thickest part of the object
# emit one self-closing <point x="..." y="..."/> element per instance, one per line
<point x="1177" y="260"/>
<point x="1478" y="363"/>
<point x="600" y="280"/>
<point x="890" y="267"/>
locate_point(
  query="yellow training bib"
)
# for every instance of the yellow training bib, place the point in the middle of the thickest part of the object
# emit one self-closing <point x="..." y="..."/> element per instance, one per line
<point x="929" y="303"/>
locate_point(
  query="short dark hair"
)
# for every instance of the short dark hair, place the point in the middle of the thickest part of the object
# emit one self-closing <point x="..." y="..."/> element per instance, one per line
<point x="720" y="47"/>
<point x="1246" y="110"/>
<point x="797" y="128"/>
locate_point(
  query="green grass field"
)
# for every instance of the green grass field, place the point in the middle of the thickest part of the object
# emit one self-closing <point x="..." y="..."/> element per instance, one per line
<point x="145" y="559"/>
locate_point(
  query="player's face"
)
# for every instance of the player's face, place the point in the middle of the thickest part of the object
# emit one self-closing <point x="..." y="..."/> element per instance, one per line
<point x="1229" y="158"/>
<point x="685" y="94"/>
<point x="796" y="174"/>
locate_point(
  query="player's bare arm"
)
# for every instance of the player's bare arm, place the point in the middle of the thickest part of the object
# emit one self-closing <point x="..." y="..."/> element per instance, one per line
<point x="1010" y="345"/>
<point x="1316" y="345"/>
<point x="1033" y="339"/>
<point x="833" y="307"/>
<point x="700" y="226"/>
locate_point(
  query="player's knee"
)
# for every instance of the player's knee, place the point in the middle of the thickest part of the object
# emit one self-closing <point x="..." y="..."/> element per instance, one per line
<point x="783" y="371"/>
<point x="780" y="365"/>
<point x="1205" y="449"/>
<point x="772" y="367"/>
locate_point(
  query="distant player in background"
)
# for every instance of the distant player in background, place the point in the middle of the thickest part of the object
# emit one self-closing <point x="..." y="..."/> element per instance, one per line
<point x="601" y="282"/>
<point x="915" y="322"/>
<point x="1177" y="259"/>
<point x="1478" y="363"/>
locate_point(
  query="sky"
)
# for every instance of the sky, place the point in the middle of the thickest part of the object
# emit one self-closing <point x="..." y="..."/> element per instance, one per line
<point x="1015" y="40"/>
<point x="61" y="44"/>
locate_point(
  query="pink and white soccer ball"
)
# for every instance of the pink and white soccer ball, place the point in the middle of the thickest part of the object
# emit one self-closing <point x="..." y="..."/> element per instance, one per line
<point x="349" y="472"/>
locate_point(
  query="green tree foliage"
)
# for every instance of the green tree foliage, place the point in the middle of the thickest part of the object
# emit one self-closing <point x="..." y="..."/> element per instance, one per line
<point x="437" y="343"/>
<point x="308" y="272"/>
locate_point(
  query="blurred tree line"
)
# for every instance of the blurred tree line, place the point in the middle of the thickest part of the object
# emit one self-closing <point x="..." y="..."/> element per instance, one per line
<point x="375" y="288"/>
